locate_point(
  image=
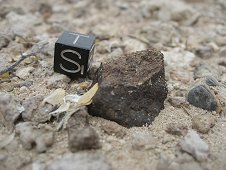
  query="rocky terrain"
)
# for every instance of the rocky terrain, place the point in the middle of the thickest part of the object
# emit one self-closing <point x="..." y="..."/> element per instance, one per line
<point x="188" y="134"/>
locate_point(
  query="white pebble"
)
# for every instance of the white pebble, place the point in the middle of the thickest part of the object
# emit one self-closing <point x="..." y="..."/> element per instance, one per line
<point x="24" y="89"/>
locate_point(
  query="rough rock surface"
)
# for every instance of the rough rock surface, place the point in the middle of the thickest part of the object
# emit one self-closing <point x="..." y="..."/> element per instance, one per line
<point x="40" y="136"/>
<point x="132" y="89"/>
<point x="10" y="109"/>
<point x="36" y="111"/>
<point x="205" y="52"/>
<point x="80" y="135"/>
<point x="25" y="72"/>
<point x="83" y="139"/>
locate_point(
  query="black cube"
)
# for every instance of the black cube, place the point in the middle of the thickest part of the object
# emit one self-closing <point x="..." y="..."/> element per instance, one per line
<point x="73" y="54"/>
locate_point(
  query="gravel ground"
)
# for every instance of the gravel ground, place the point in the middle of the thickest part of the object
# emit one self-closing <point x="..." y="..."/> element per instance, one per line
<point x="189" y="133"/>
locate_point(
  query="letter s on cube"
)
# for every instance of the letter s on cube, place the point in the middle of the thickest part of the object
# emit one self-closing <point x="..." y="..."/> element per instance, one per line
<point x="73" y="54"/>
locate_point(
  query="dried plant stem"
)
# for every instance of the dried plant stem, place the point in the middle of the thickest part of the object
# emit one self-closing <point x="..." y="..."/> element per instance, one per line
<point x="66" y="118"/>
<point x="23" y="57"/>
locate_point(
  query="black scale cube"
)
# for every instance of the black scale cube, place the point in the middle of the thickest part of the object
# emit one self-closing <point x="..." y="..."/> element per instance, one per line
<point x="73" y="54"/>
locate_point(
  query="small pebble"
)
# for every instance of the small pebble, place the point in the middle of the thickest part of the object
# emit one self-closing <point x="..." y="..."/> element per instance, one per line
<point x="24" y="89"/>
<point x="4" y="41"/>
<point x="211" y="81"/>
<point x="132" y="45"/>
<point x="58" y="81"/>
<point x="113" y="128"/>
<point x="222" y="52"/>
<point x="79" y="161"/>
<point x="203" y="123"/>
<point x="116" y="53"/>
<point x="10" y="109"/>
<point x="35" y="111"/>
<point x="24" y="73"/>
<point x="32" y="135"/>
<point x="78" y="120"/>
<point x="177" y="101"/>
<point x="201" y="97"/>
<point x="205" y="52"/>
<point x="83" y="139"/>
<point x="221" y="40"/>
<point x="22" y="25"/>
<point x="176" y="129"/>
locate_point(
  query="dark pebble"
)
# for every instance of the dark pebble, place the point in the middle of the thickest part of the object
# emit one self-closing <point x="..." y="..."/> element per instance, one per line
<point x="212" y="81"/>
<point x="201" y="97"/>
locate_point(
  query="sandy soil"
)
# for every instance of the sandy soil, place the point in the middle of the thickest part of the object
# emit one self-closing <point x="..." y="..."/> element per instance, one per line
<point x="187" y="32"/>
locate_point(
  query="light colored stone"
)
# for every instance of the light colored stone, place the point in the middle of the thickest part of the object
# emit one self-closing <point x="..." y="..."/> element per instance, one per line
<point x="133" y="45"/>
<point x="178" y="58"/>
<point x="116" y="53"/>
<point x="58" y="81"/>
<point x="38" y="166"/>
<point x="24" y="89"/>
<point x="35" y="110"/>
<point x="221" y="40"/>
<point x="25" y="72"/>
<point x="194" y="145"/>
